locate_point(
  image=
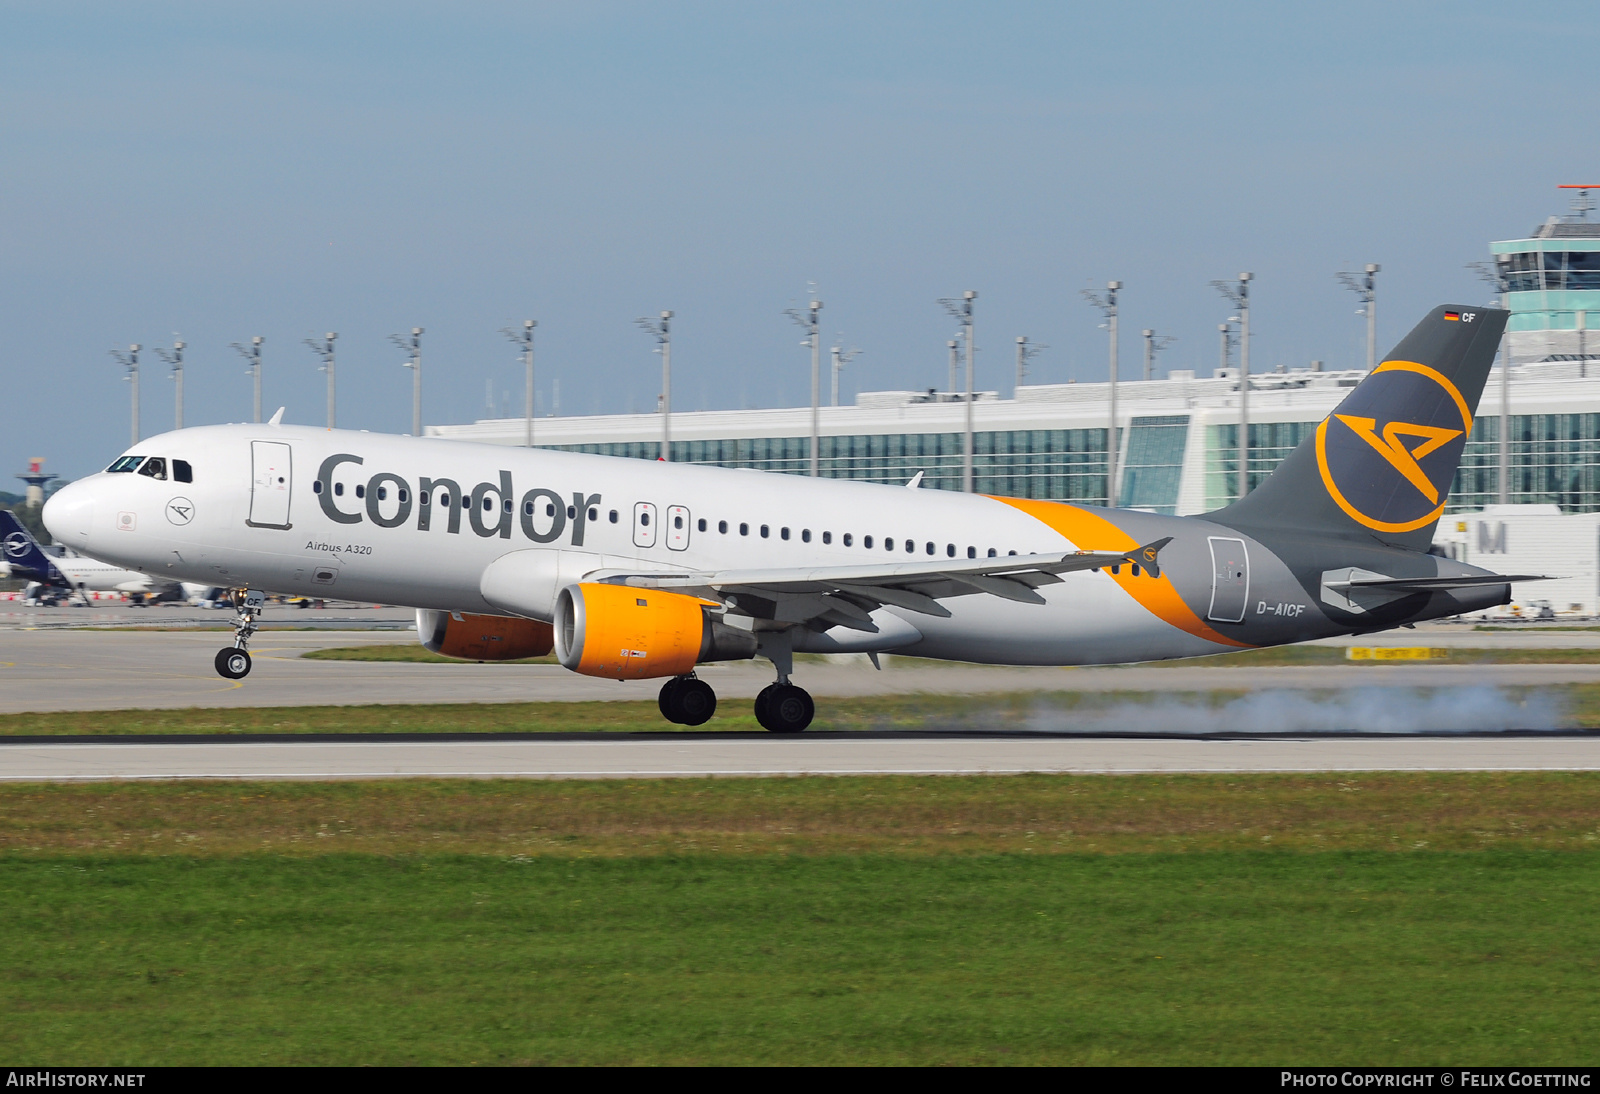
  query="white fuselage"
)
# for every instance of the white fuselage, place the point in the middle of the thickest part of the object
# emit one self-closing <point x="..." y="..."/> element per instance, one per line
<point x="318" y="512"/>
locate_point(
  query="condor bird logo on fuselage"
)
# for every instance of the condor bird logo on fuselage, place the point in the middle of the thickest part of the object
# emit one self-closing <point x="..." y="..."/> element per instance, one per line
<point x="1394" y="475"/>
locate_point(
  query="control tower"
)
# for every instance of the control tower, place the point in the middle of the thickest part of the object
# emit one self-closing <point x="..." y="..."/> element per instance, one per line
<point x="1552" y="286"/>
<point x="35" y="477"/>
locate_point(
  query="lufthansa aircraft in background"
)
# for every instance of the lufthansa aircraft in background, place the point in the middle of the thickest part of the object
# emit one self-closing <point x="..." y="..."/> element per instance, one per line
<point x="77" y="576"/>
<point x="634" y="569"/>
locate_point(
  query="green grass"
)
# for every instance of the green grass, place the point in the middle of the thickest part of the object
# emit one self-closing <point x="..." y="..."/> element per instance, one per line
<point x="998" y="711"/>
<point x="1335" y="655"/>
<point x="1401" y="919"/>
<point x="903" y="815"/>
<point x="1486" y="627"/>
<point x="1210" y="958"/>
<point x="410" y="651"/>
<point x="1277" y="655"/>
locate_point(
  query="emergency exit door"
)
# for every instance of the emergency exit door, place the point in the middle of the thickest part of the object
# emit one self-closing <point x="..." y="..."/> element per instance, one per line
<point x="271" y="479"/>
<point x="1230" y="580"/>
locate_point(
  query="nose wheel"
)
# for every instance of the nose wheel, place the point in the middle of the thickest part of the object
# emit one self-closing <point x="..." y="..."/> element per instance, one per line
<point x="233" y="662"/>
<point x="687" y="701"/>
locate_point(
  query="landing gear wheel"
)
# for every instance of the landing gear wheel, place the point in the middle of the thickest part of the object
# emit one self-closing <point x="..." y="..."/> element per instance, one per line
<point x="696" y="702"/>
<point x="667" y="700"/>
<point x="233" y="664"/>
<point x="687" y="701"/>
<point x="784" y="708"/>
<point x="762" y="698"/>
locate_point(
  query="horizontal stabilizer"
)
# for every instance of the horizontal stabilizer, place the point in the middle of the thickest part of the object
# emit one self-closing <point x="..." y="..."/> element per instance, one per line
<point x="1429" y="584"/>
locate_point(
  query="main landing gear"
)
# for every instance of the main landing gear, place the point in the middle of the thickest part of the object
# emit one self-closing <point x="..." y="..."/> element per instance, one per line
<point x="687" y="700"/>
<point x="233" y="662"/>
<point x="782" y="707"/>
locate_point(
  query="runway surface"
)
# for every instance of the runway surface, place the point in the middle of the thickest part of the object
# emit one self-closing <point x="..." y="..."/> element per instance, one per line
<point x="731" y="755"/>
<point x="51" y="670"/>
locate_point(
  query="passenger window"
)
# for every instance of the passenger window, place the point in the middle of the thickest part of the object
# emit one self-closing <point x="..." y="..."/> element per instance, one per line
<point x="701" y="524"/>
<point x="404" y="497"/>
<point x="338" y="490"/>
<point x="911" y="548"/>
<point x="765" y="532"/>
<point x="722" y="526"/>
<point x="316" y="488"/>
<point x="992" y="552"/>
<point x="849" y="540"/>
<point x="972" y="552"/>
<point x="805" y="535"/>
<point x="594" y="514"/>
<point x="930" y="548"/>
<point x="126" y="463"/>
<point x="361" y="491"/>
<point x="827" y="537"/>
<point x="950" y="549"/>
<point x="613" y="516"/>
<point x="383" y="493"/>
<point x="744" y="529"/>
<point x="155" y="467"/>
<point x="181" y="471"/>
<point x="783" y="533"/>
<point x="866" y="541"/>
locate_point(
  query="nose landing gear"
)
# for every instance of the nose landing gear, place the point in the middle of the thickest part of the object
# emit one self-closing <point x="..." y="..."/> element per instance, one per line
<point x="687" y="700"/>
<point x="233" y="662"/>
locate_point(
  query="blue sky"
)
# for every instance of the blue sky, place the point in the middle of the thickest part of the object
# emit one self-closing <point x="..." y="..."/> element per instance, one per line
<point x="227" y="170"/>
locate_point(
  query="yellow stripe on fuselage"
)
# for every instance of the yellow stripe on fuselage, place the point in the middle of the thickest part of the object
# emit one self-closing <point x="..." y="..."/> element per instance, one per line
<point x="1090" y="532"/>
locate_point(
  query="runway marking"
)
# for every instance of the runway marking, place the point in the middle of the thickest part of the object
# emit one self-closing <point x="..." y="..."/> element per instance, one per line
<point x="755" y="773"/>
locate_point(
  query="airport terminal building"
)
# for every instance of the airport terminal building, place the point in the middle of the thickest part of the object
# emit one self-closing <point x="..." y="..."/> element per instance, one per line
<point x="1178" y="438"/>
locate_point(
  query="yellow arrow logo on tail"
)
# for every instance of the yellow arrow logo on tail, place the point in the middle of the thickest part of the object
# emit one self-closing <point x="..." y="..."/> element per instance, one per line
<point x="1391" y="448"/>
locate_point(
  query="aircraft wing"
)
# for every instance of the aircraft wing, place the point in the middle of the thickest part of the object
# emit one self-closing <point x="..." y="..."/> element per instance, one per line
<point x="846" y="596"/>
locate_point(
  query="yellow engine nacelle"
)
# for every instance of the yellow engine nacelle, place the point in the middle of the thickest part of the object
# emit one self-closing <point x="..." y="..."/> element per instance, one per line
<point x="483" y="637"/>
<point x="623" y="633"/>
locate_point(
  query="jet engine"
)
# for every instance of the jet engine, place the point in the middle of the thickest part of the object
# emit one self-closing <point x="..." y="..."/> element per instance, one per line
<point x="624" y="633"/>
<point x="482" y="637"/>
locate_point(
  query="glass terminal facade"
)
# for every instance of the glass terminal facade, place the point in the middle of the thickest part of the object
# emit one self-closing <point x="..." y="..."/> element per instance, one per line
<point x="1179" y="444"/>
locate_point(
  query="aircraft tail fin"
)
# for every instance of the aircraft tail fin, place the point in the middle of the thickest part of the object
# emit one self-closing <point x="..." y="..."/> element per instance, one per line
<point x="22" y="551"/>
<point x="1381" y="465"/>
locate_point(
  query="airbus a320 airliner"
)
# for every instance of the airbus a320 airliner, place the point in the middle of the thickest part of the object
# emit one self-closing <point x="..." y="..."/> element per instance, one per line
<point x="633" y="569"/>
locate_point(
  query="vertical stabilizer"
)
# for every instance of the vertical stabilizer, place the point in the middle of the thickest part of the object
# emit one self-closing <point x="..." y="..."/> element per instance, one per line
<point x="1382" y="463"/>
<point x="23" y="553"/>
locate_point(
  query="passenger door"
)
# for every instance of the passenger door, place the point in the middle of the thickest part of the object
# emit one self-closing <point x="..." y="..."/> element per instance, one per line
<point x="271" y="479"/>
<point x="1230" y="580"/>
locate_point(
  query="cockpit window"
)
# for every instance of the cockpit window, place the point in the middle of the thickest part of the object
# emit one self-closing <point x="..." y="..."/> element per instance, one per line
<point x="126" y="463"/>
<point x="155" y="467"/>
<point x="181" y="471"/>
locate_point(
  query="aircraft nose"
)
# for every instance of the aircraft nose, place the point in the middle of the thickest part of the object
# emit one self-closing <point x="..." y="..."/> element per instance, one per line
<point x="69" y="514"/>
